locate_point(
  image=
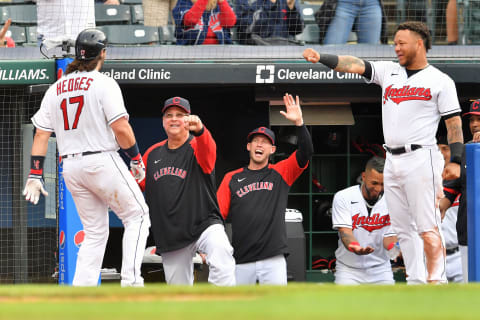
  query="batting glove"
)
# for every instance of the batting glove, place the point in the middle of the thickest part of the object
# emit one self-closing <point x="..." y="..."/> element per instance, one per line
<point x="138" y="169"/>
<point x="33" y="187"/>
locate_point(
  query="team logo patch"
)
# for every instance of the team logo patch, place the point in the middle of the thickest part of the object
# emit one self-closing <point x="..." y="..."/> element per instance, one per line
<point x="406" y="93"/>
<point x="372" y="223"/>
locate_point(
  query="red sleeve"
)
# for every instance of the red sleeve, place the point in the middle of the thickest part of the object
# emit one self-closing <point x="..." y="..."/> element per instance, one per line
<point x="227" y="16"/>
<point x="224" y="195"/>
<point x="145" y="161"/>
<point x="289" y="168"/>
<point x="205" y="150"/>
<point x="193" y="15"/>
<point x="450" y="190"/>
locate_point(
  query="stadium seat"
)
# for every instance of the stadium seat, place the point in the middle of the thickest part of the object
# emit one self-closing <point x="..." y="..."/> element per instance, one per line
<point x="31" y="33"/>
<point x="310" y="34"/>
<point x="131" y="34"/>
<point x="308" y="12"/>
<point x="131" y="1"/>
<point x="112" y="14"/>
<point x="24" y="15"/>
<point x="352" y="37"/>
<point x="167" y="34"/>
<point x="137" y="13"/>
<point x="17" y="34"/>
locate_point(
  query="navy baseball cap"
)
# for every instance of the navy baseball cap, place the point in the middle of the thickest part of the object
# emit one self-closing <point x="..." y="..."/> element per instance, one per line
<point x="262" y="130"/>
<point x="177" y="102"/>
<point x="474" y="108"/>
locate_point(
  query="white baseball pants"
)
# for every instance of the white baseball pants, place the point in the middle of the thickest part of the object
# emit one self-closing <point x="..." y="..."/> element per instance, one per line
<point x="381" y="274"/>
<point x="270" y="271"/>
<point x="96" y="182"/>
<point x="464" y="254"/>
<point x="454" y="267"/>
<point x="178" y="264"/>
<point x="412" y="183"/>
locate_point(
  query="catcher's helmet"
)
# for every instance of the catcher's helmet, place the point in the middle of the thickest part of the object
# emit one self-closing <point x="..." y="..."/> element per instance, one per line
<point x="89" y="44"/>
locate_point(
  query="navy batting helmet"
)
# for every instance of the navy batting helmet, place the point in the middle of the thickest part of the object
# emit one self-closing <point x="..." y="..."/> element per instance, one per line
<point x="89" y="44"/>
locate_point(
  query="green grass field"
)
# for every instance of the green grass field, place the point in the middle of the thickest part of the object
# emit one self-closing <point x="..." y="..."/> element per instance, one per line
<point x="297" y="301"/>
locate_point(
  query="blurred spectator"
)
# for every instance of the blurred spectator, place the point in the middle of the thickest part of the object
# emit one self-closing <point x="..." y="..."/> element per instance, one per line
<point x="59" y="20"/>
<point x="452" y="23"/>
<point x="157" y="12"/>
<point x="267" y="19"/>
<point x="203" y="22"/>
<point x="367" y="16"/>
<point x="4" y="40"/>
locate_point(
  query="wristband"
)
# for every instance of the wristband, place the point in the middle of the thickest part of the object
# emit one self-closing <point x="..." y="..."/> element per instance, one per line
<point x="456" y="151"/>
<point x="197" y="134"/>
<point x="354" y="243"/>
<point x="390" y="246"/>
<point x="330" y="60"/>
<point x="36" y="165"/>
<point x="133" y="152"/>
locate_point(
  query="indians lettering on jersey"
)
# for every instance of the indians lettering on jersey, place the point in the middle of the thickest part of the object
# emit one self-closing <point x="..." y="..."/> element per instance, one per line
<point x="406" y="93"/>
<point x="372" y="223"/>
<point x="73" y="84"/>
<point x="170" y="171"/>
<point x="256" y="186"/>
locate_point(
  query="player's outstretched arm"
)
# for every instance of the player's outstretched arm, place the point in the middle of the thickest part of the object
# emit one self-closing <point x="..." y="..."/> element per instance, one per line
<point x="206" y="151"/>
<point x="351" y="243"/>
<point x="292" y="112"/>
<point x="34" y="184"/>
<point x="349" y="64"/>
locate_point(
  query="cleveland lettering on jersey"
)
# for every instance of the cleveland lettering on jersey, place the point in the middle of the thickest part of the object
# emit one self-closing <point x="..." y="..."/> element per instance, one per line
<point x="73" y="84"/>
<point x="256" y="186"/>
<point x="170" y="171"/>
<point x="406" y="93"/>
<point x="372" y="223"/>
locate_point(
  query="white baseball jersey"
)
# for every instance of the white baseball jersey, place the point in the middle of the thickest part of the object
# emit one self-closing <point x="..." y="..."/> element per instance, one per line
<point x="449" y="224"/>
<point x="350" y="211"/>
<point x="80" y="107"/>
<point x="60" y="19"/>
<point x="412" y="106"/>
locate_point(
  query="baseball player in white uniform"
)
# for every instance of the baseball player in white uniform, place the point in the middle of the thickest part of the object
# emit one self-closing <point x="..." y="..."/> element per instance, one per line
<point x="454" y="258"/>
<point x="366" y="240"/>
<point x="449" y="222"/>
<point x="85" y="109"/>
<point x="415" y="95"/>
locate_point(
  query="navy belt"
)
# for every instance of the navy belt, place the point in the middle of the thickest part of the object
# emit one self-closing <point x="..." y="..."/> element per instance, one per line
<point x="397" y="151"/>
<point x="86" y="153"/>
<point x="452" y="251"/>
